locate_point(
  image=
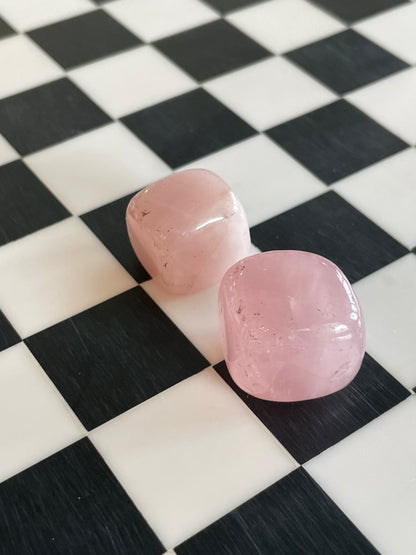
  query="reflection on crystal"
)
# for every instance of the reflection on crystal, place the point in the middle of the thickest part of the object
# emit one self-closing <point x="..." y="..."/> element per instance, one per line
<point x="291" y="326"/>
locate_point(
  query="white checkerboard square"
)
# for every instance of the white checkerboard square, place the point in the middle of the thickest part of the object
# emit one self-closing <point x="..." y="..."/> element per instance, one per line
<point x="27" y="14"/>
<point x="391" y="102"/>
<point x="264" y="177"/>
<point x="388" y="299"/>
<point x="130" y="81"/>
<point x="35" y="421"/>
<point x="371" y="476"/>
<point x="183" y="456"/>
<point x="24" y="65"/>
<point x="282" y="25"/>
<point x="269" y="92"/>
<point x="160" y="18"/>
<point x="386" y="193"/>
<point x="97" y="167"/>
<point x="55" y="273"/>
<point x="394" y="30"/>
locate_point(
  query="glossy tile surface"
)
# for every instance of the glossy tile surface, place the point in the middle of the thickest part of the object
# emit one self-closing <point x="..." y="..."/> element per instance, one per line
<point x="306" y="109"/>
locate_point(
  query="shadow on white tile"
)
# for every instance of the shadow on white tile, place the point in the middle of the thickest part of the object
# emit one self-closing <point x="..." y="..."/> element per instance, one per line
<point x="35" y="421"/>
<point x="388" y="299"/>
<point x="190" y="455"/>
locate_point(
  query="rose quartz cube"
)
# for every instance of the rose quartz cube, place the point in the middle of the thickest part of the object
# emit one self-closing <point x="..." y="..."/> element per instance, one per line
<point x="291" y="326"/>
<point x="187" y="230"/>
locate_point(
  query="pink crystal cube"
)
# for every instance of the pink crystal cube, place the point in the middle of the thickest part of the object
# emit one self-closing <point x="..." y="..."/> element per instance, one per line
<point x="291" y="326"/>
<point x="187" y="230"/>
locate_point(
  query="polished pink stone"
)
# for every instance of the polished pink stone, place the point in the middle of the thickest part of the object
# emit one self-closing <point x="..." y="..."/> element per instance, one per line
<point x="291" y="326"/>
<point x="187" y="230"/>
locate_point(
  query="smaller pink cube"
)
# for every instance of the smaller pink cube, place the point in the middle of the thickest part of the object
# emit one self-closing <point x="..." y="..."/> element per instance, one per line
<point x="187" y="230"/>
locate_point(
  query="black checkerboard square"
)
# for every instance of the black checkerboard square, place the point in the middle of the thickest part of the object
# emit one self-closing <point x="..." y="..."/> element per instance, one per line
<point x="84" y="38"/>
<point x="26" y="205"/>
<point x="115" y="355"/>
<point x="336" y="140"/>
<point x="109" y="225"/>
<point x="328" y="225"/>
<point x="211" y="49"/>
<point x="39" y="117"/>
<point x="8" y="335"/>
<point x="293" y="516"/>
<point x="225" y="6"/>
<point x="309" y="427"/>
<point x="187" y="127"/>
<point x="5" y="29"/>
<point x="352" y="10"/>
<point x="71" y="503"/>
<point x="346" y="61"/>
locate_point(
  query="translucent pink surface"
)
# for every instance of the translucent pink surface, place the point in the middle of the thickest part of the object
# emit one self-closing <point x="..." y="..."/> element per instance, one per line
<point x="291" y="326"/>
<point x="187" y="230"/>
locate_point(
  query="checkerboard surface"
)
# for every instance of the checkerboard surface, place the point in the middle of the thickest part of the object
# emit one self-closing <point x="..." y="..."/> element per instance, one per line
<point x="121" y="430"/>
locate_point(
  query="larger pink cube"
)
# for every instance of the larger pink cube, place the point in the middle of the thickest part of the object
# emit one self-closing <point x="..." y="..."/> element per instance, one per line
<point x="291" y="326"/>
<point x="187" y="230"/>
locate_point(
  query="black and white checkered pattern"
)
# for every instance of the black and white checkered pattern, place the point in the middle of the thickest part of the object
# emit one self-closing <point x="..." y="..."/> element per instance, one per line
<point x="120" y="428"/>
